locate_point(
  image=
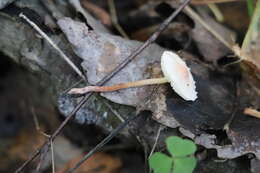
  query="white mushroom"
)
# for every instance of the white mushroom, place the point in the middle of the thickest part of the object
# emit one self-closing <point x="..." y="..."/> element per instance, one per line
<point x="178" y="74"/>
<point x="175" y="71"/>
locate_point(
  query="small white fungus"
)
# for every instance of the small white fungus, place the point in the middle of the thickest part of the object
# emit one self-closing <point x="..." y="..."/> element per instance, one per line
<point x="178" y="74"/>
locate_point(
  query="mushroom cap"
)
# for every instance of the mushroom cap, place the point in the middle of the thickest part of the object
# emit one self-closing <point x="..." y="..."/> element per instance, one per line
<point x="178" y="74"/>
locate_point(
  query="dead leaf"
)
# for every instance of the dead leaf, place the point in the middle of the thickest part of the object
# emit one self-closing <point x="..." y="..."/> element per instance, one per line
<point x="210" y="47"/>
<point x="100" y="13"/>
<point x="101" y="53"/>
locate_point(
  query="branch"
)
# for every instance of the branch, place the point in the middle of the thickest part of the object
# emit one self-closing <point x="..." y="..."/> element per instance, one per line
<point x="73" y="66"/>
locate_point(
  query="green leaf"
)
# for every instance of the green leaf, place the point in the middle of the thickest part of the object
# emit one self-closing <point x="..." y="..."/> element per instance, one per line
<point x="160" y="163"/>
<point x="179" y="147"/>
<point x="184" y="165"/>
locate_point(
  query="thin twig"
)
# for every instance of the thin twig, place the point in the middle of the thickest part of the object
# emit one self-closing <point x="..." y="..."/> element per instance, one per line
<point x="114" y="18"/>
<point x="114" y="112"/>
<point x="235" y="49"/>
<point x="152" y="38"/>
<point x="156" y="140"/>
<point x="41" y="160"/>
<point x="72" y="86"/>
<point x="216" y="11"/>
<point x="48" y="39"/>
<point x="120" y="117"/>
<point x="237" y="94"/>
<point x="196" y="17"/>
<point x="35" y="119"/>
<point x="52" y="157"/>
<point x="54" y="135"/>
<point x="37" y="126"/>
<point x="103" y="142"/>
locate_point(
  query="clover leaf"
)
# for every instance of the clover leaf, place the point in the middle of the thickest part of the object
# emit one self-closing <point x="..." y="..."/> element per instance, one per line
<point x="184" y="165"/>
<point x="160" y="163"/>
<point x="181" y="160"/>
<point x="179" y="147"/>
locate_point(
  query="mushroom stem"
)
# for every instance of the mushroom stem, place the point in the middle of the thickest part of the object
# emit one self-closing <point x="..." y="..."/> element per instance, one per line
<point x="118" y="86"/>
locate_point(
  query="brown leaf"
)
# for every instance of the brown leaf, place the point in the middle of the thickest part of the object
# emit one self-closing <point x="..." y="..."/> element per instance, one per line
<point x="100" y="13"/>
